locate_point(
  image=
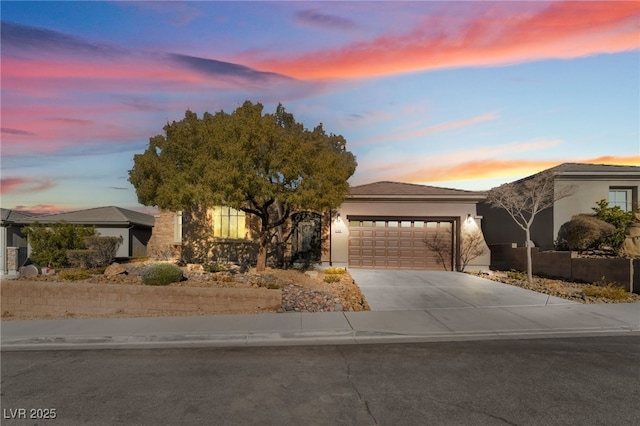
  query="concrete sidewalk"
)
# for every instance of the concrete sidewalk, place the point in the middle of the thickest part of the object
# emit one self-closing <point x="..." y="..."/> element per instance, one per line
<point x="436" y="324"/>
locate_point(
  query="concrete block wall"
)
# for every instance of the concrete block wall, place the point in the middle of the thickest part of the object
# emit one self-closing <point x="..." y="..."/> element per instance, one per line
<point x="563" y="264"/>
<point x="24" y="298"/>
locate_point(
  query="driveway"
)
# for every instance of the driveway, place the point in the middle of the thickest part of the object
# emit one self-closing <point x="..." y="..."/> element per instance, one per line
<point x="405" y="290"/>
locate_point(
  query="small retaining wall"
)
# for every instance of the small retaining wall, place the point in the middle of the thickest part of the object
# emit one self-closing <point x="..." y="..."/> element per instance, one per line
<point x="22" y="298"/>
<point x="562" y="264"/>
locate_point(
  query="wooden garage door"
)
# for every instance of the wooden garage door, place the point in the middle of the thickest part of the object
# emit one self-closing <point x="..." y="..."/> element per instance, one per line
<point x="401" y="244"/>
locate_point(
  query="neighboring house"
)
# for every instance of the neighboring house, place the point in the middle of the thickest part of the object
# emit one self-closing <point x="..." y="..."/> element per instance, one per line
<point x="134" y="228"/>
<point x="11" y="235"/>
<point x="592" y="182"/>
<point x="380" y="225"/>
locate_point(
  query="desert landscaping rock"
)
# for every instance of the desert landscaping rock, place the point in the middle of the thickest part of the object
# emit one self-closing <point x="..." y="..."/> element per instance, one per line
<point x="301" y="292"/>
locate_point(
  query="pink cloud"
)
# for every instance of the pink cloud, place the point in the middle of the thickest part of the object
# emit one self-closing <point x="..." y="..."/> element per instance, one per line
<point x="489" y="168"/>
<point x="16" y="185"/>
<point x="562" y="30"/>
<point x="449" y="125"/>
<point x="42" y="208"/>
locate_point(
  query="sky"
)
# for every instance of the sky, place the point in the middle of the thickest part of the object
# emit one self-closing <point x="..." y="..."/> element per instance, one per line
<point x="465" y="95"/>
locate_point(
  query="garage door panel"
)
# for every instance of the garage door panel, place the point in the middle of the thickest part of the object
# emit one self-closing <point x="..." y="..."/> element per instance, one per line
<point x="399" y="244"/>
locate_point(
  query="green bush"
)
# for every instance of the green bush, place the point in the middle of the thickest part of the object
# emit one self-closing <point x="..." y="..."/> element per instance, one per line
<point x="335" y="271"/>
<point x="584" y="232"/>
<point x="214" y="267"/>
<point x="49" y="243"/>
<point x="161" y="274"/>
<point x="616" y="217"/>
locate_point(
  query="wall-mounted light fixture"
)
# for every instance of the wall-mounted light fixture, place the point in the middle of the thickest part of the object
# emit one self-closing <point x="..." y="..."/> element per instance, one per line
<point x="338" y="218"/>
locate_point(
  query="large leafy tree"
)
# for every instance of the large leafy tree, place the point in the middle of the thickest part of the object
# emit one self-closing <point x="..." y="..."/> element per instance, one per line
<point x="267" y="165"/>
<point x="524" y="199"/>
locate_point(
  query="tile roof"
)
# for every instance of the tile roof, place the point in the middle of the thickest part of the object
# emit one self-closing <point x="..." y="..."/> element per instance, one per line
<point x="594" y="168"/>
<point x="11" y="216"/>
<point x="387" y="188"/>
<point x="109" y="215"/>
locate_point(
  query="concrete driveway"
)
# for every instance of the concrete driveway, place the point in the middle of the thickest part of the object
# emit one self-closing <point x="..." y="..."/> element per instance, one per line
<point x="405" y="290"/>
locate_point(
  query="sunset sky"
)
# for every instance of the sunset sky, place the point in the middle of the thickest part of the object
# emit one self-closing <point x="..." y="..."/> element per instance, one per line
<point x="456" y="94"/>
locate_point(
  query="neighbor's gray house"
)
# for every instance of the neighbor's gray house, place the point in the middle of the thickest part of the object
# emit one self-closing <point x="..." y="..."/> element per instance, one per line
<point x="134" y="227"/>
<point x="379" y="225"/>
<point x="11" y="235"/>
<point x="592" y="182"/>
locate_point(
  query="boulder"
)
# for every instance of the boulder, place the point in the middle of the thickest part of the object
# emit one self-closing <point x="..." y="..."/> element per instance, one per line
<point x="631" y="245"/>
<point x="115" y="269"/>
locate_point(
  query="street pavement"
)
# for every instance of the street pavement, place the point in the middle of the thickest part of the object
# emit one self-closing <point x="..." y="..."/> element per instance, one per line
<point x="406" y="307"/>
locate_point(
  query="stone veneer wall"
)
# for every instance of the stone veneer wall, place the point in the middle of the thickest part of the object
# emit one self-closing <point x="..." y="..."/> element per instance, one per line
<point x="39" y="299"/>
<point x="162" y="244"/>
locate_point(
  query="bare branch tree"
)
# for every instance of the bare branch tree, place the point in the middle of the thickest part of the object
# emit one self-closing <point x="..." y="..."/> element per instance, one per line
<point x="524" y="199"/>
<point x="472" y="246"/>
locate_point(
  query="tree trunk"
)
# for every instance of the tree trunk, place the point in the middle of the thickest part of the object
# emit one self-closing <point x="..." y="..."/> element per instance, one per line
<point x="529" y="265"/>
<point x="262" y="257"/>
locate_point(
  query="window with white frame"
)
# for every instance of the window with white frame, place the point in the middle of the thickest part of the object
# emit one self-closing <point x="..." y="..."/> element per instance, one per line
<point x="620" y="197"/>
<point x="229" y="223"/>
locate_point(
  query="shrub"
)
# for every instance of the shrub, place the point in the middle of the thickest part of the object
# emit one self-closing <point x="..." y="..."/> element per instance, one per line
<point x="161" y="274"/>
<point x="74" y="274"/>
<point x="81" y="258"/>
<point x="584" y="232"/>
<point x="214" y="267"/>
<point x="516" y="275"/>
<point x="335" y="271"/>
<point x="331" y="279"/>
<point x="49" y="243"/>
<point x="616" y="217"/>
<point x="104" y="248"/>
<point x="609" y="291"/>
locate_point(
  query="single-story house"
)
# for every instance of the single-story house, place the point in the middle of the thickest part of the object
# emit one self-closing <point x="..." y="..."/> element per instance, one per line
<point x="380" y="225"/>
<point x="134" y="227"/>
<point x="591" y="182"/>
<point x="11" y="235"/>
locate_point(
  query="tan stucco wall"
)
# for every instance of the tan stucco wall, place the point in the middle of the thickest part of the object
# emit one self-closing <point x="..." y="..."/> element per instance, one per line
<point x="587" y="193"/>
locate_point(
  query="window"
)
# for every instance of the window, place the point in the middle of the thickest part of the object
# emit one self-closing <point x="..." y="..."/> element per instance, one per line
<point x="228" y="222"/>
<point x="620" y="197"/>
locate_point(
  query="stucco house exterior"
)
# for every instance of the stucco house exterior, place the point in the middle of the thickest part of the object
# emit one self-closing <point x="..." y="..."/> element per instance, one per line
<point x="380" y="225"/>
<point x="134" y="227"/>
<point x="591" y="182"/>
<point x="393" y="225"/>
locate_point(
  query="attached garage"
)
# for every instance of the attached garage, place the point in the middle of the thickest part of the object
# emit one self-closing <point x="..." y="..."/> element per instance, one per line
<point x="401" y="243"/>
<point x="392" y="225"/>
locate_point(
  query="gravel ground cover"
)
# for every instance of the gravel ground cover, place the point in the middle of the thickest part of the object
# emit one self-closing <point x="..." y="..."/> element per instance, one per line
<point x="302" y="291"/>
<point x="579" y="292"/>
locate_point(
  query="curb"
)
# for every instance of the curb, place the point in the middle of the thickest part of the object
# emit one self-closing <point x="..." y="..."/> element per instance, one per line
<point x="262" y="339"/>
